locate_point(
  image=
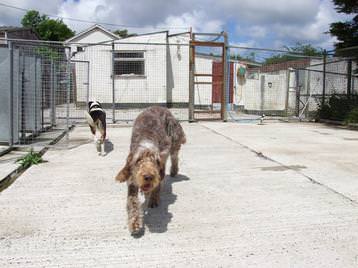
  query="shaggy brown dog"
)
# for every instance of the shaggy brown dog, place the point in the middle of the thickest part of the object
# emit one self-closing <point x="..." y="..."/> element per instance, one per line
<point x="156" y="135"/>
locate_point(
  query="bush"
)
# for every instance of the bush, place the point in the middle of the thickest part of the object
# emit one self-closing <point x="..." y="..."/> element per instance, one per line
<point x="338" y="108"/>
<point x="352" y="116"/>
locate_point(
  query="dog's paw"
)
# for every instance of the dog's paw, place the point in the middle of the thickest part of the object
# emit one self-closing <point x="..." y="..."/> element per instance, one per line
<point x="135" y="226"/>
<point x="174" y="171"/>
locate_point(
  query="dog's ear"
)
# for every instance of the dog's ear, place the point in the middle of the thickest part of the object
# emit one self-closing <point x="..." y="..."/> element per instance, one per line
<point x="125" y="172"/>
<point x="89" y="104"/>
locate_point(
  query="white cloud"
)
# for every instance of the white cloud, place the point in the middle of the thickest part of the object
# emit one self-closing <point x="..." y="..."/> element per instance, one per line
<point x="262" y="21"/>
<point x="198" y="20"/>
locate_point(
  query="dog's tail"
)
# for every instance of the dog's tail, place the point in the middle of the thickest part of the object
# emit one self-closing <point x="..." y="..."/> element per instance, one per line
<point x="89" y="119"/>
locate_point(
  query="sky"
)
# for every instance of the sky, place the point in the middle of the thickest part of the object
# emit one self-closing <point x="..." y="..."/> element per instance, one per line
<point x="253" y="23"/>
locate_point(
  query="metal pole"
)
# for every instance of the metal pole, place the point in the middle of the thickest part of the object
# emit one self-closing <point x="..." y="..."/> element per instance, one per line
<point x="35" y="94"/>
<point x="225" y="76"/>
<point x="88" y="79"/>
<point x="308" y="92"/>
<point x="324" y="77"/>
<point x="229" y="78"/>
<point x="288" y="74"/>
<point x="262" y="94"/>
<point x="68" y="95"/>
<point x="349" y="79"/>
<point x="191" y="83"/>
<point x="11" y="97"/>
<point x="52" y="95"/>
<point x="298" y="93"/>
<point x="113" y="93"/>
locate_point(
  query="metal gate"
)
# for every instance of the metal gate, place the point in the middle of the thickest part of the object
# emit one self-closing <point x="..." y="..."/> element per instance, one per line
<point x="207" y="86"/>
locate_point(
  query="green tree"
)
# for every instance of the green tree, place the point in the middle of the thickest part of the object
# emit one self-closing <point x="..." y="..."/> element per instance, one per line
<point x="301" y="49"/>
<point x="47" y="29"/>
<point x="123" y="33"/>
<point x="346" y="32"/>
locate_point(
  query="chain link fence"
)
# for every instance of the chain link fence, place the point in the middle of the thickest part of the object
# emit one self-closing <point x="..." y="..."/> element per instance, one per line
<point x="46" y="87"/>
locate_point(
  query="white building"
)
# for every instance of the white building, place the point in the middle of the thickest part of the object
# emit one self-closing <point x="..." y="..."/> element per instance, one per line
<point x="147" y="69"/>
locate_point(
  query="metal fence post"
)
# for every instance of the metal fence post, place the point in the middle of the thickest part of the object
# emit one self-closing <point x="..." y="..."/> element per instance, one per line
<point x="262" y="93"/>
<point x="298" y="93"/>
<point x="225" y="82"/>
<point x="88" y="81"/>
<point x="11" y="97"/>
<point x="308" y="92"/>
<point x="52" y="93"/>
<point x="68" y="95"/>
<point x="113" y="93"/>
<point x="349" y="79"/>
<point x="191" y="83"/>
<point x="35" y="95"/>
<point x="324" y="77"/>
<point x="288" y="74"/>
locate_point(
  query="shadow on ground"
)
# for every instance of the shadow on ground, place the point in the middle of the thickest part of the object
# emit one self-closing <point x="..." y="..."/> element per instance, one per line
<point x="157" y="219"/>
<point x="108" y="146"/>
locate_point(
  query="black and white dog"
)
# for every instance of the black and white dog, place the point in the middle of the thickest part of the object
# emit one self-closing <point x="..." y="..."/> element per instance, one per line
<point x="96" y="118"/>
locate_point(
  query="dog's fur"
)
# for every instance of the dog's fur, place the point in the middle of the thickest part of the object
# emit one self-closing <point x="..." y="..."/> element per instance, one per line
<point x="96" y="118"/>
<point x="156" y="135"/>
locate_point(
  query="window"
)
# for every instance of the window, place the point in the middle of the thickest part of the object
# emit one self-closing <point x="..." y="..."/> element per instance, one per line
<point x="2" y="38"/>
<point x="79" y="49"/>
<point x="128" y="63"/>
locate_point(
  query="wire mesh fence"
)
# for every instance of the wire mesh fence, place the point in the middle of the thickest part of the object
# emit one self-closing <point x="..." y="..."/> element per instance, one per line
<point x="264" y="82"/>
<point x="321" y="80"/>
<point x="34" y="79"/>
<point x="46" y="87"/>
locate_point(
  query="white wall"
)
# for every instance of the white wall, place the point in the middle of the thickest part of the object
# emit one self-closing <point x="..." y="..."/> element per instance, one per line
<point x="251" y="96"/>
<point x="94" y="36"/>
<point x="178" y="69"/>
<point x="203" y="93"/>
<point x="150" y="88"/>
<point x="100" y="82"/>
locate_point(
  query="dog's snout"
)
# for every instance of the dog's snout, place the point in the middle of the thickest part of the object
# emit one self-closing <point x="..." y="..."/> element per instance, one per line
<point x="148" y="177"/>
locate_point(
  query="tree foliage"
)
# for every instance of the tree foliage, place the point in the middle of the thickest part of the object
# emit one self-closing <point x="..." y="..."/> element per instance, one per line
<point x="347" y="31"/>
<point x="302" y="49"/>
<point x="123" y="33"/>
<point x="47" y="29"/>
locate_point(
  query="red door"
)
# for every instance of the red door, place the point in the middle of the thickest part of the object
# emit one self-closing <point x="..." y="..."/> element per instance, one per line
<point x="217" y="71"/>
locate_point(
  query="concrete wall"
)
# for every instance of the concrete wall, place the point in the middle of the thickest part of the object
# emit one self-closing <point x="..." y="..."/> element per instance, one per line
<point x="152" y="87"/>
<point x="178" y="69"/>
<point x="267" y="92"/>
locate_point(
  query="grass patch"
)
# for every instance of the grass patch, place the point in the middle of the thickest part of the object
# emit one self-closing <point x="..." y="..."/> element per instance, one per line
<point x="32" y="158"/>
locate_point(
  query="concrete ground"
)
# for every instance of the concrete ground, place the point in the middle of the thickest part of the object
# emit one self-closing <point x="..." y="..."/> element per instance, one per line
<point x="275" y="195"/>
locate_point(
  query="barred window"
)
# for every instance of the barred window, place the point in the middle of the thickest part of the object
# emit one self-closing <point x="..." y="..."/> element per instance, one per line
<point x="128" y="63"/>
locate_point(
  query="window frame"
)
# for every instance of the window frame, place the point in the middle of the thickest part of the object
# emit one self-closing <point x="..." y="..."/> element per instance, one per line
<point x="129" y="59"/>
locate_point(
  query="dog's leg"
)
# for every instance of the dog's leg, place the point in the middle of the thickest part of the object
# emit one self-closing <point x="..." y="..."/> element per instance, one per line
<point x="174" y="169"/>
<point x="134" y="209"/>
<point x="154" y="197"/>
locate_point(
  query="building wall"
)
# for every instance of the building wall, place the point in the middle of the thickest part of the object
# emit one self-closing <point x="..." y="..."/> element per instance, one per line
<point x="94" y="36"/>
<point x="100" y="81"/>
<point x="203" y="93"/>
<point x="166" y="76"/>
<point x="152" y="87"/>
<point x="266" y="92"/>
<point x="178" y="69"/>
